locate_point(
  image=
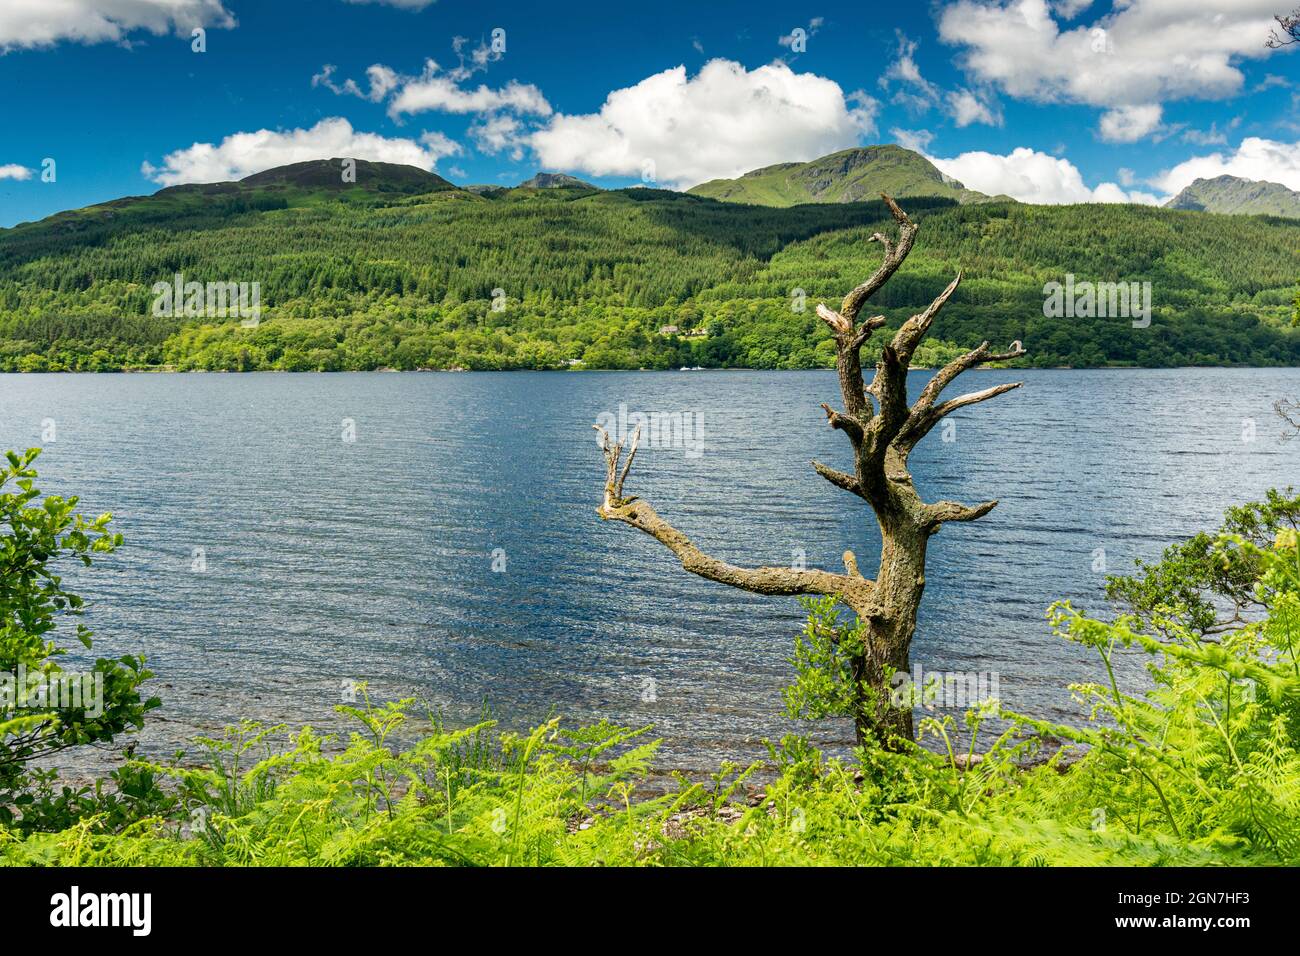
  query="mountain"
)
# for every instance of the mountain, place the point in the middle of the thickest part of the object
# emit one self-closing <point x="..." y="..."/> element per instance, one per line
<point x="1231" y="194"/>
<point x="555" y="181"/>
<point x="403" y="270"/>
<point x="851" y="175"/>
<point x="329" y="174"/>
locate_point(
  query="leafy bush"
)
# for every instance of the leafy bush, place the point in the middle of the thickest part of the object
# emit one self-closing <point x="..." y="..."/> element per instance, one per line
<point x="44" y="709"/>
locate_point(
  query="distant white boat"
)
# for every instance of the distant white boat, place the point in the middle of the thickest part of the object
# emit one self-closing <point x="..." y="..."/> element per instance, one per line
<point x="692" y="368"/>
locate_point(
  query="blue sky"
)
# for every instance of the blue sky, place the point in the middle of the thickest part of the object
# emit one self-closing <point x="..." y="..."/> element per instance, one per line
<point x="1047" y="100"/>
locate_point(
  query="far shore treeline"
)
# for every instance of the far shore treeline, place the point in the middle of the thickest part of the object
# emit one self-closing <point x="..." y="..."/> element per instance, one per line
<point x="376" y="277"/>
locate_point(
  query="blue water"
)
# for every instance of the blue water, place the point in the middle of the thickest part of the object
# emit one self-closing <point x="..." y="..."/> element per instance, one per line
<point x="332" y="561"/>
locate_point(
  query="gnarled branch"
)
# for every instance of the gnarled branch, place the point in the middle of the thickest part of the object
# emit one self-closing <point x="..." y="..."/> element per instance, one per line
<point x="895" y="253"/>
<point x="844" y="422"/>
<point x="838" y="478"/>
<point x="945" y="376"/>
<point x="852" y="588"/>
<point x="923" y="420"/>
<point x="909" y="335"/>
<point x="942" y="511"/>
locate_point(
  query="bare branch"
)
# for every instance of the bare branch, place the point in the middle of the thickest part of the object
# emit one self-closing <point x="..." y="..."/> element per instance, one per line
<point x="852" y="588"/>
<point x="613" y="477"/>
<point x="846" y="423"/>
<point x="895" y="253"/>
<point x="945" y="376"/>
<point x="971" y="398"/>
<point x="889" y="385"/>
<point x="942" y="511"/>
<point x="839" y="325"/>
<point x="909" y="336"/>
<point x="864" y="331"/>
<point x="923" y="419"/>
<point x="838" y="478"/>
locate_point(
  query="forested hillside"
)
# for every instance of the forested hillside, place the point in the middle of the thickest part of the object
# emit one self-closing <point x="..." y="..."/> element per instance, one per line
<point x="385" y="273"/>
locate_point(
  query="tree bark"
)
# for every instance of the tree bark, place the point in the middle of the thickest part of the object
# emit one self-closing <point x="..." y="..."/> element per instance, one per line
<point x="882" y="429"/>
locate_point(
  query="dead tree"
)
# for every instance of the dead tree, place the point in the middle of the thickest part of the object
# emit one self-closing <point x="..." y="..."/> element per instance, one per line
<point x="883" y="429"/>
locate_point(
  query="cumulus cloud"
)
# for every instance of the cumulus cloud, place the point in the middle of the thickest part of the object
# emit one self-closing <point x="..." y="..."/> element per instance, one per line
<point x="1128" y="124"/>
<point x="1255" y="158"/>
<point x="41" y="23"/>
<point x="724" y="121"/>
<point x="444" y="94"/>
<point x="1144" y="53"/>
<point x="242" y="154"/>
<point x="499" y="133"/>
<point x="14" y="171"/>
<point x="1033" y="177"/>
<point x="967" y="108"/>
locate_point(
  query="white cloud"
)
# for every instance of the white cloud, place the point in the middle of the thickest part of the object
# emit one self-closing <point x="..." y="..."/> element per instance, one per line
<point x="1032" y="177"/>
<point x="1145" y="52"/>
<point x="1212" y="136"/>
<point x="242" y="154"/>
<point x="1069" y="9"/>
<point x="1128" y="124"/>
<point x="967" y="108"/>
<point x="1255" y="158"/>
<point x="382" y="81"/>
<point x="436" y="90"/>
<point x="439" y="144"/>
<point x="917" y="93"/>
<point x="479" y="58"/>
<point x="499" y="133"/>
<point x="443" y="94"/>
<point x="39" y="23"/>
<point x="1270" y="80"/>
<point x="722" y="122"/>
<point x="913" y="139"/>
<point x="14" y="171"/>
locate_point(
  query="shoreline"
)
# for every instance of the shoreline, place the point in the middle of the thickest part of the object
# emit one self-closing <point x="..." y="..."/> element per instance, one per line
<point x="169" y="370"/>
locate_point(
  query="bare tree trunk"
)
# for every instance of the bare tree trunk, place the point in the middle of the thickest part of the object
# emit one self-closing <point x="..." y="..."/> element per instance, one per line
<point x="882" y="429"/>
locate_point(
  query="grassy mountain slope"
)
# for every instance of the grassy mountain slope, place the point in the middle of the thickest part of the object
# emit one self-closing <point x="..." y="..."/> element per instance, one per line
<point x="851" y="175"/>
<point x="1231" y="194"/>
<point x="381" y="274"/>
